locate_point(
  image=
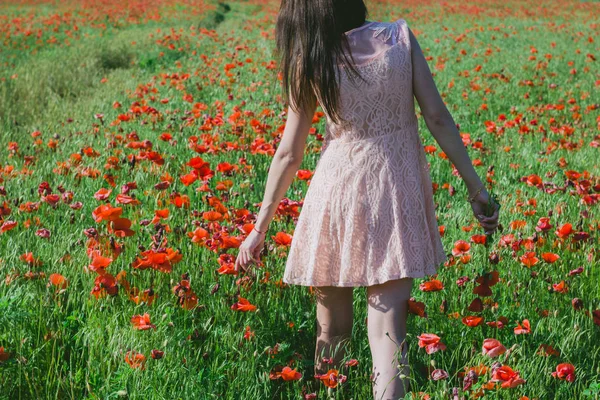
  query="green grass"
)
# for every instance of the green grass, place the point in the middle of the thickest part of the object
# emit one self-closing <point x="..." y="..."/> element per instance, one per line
<point x="71" y="345"/>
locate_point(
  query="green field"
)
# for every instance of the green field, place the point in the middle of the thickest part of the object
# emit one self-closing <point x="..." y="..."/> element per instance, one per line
<point x="111" y="103"/>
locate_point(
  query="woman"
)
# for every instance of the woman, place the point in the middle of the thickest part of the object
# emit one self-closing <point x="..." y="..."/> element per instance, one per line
<point x="368" y="217"/>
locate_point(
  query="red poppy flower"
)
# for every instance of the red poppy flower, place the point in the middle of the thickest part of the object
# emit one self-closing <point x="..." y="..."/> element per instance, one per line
<point x="120" y="227"/>
<point x="7" y="226"/>
<point x="125" y="199"/>
<point x="472" y="320"/>
<point x="476" y="305"/>
<point x="179" y="200"/>
<point x="525" y="328"/>
<point x="187" y="299"/>
<point x="135" y="359"/>
<point x="159" y="260"/>
<point x="529" y="259"/>
<point x="102" y="194"/>
<point x="304" y="174"/>
<point x="565" y="371"/>
<point x="282" y="239"/>
<point x="99" y="262"/>
<point x="106" y="212"/>
<point x="543" y="224"/>
<point x="351" y="363"/>
<point x="533" y="180"/>
<point x="243" y="305"/>
<point x="507" y="376"/>
<point x="30" y="259"/>
<point x="493" y="348"/>
<point x="431" y="342"/>
<point x="105" y="284"/>
<point x="550" y="257"/>
<point x="4" y="355"/>
<point x="417" y="308"/>
<point x="560" y="287"/>
<point x="564" y="230"/>
<point x="142" y="322"/>
<point x="331" y="378"/>
<point x="478" y="239"/>
<point x="212" y="216"/>
<point x="248" y="333"/>
<point x="289" y="374"/>
<point x="460" y="247"/>
<point x="58" y="280"/>
<point x="432" y="285"/>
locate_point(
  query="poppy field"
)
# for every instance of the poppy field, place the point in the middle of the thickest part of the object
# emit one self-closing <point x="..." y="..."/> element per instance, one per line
<point x="135" y="142"/>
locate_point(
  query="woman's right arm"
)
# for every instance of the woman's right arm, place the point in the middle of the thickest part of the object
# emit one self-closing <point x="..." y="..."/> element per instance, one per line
<point x="443" y="128"/>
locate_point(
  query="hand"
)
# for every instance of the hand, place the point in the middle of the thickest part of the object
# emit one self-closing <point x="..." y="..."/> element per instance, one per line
<point x="249" y="250"/>
<point x="480" y="210"/>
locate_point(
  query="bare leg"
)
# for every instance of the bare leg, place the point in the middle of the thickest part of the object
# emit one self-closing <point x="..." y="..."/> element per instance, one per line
<point x="386" y="320"/>
<point x="334" y="325"/>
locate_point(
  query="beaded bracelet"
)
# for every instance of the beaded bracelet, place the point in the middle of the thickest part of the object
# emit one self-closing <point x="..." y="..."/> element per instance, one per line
<point x="471" y="198"/>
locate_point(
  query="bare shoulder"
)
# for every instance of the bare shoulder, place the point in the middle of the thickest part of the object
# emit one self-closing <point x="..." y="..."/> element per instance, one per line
<point x="414" y="43"/>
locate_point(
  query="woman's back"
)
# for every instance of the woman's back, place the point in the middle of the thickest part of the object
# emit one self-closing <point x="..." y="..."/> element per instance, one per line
<point x="383" y="103"/>
<point x="368" y="215"/>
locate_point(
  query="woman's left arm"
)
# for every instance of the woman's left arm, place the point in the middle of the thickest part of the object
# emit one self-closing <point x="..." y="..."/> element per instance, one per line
<point x="286" y="161"/>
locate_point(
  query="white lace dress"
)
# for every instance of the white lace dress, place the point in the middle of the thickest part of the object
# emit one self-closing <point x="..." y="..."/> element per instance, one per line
<point x="368" y="215"/>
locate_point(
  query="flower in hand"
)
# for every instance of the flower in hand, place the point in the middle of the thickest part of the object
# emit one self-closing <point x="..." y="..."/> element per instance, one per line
<point x="249" y="250"/>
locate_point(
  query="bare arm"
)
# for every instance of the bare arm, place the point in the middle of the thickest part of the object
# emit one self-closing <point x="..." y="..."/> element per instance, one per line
<point x="438" y="118"/>
<point x="286" y="161"/>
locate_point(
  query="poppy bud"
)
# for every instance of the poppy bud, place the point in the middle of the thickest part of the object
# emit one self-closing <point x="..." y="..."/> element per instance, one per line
<point x="157" y="354"/>
<point x="494" y="258"/>
<point x="496" y="365"/>
<point x="90" y="232"/>
<point x="439" y="374"/>
<point x="444" y="306"/>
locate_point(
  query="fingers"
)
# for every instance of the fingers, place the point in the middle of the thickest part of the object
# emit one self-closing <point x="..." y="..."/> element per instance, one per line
<point x="488" y="220"/>
<point x="494" y="215"/>
<point x="256" y="255"/>
<point x="493" y="220"/>
<point x="245" y="258"/>
<point x="489" y="225"/>
<point x="236" y="266"/>
<point x="240" y="261"/>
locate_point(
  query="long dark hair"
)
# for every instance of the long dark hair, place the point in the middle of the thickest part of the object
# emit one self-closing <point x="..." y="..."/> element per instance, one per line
<point x="310" y="43"/>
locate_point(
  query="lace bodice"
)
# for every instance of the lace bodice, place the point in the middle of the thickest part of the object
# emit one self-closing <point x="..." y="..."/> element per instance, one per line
<point x="384" y="104"/>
